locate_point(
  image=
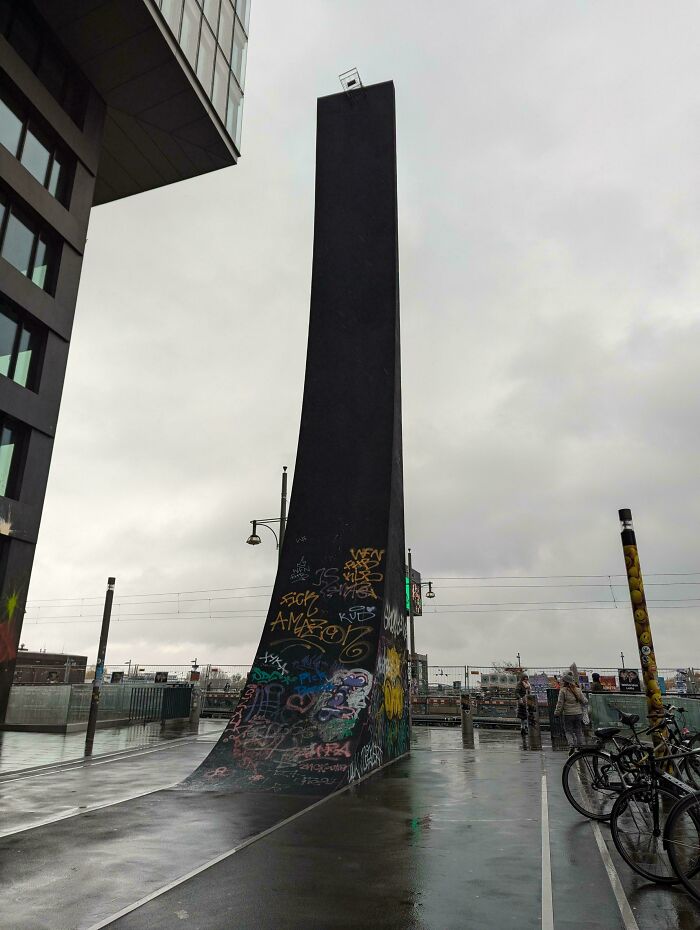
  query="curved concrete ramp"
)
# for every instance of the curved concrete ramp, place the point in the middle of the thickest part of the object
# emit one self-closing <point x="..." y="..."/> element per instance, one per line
<point x="326" y="699"/>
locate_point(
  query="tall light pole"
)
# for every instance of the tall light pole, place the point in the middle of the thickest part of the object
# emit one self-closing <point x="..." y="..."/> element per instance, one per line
<point x="254" y="538"/>
<point x="99" y="668"/>
<point x="413" y="662"/>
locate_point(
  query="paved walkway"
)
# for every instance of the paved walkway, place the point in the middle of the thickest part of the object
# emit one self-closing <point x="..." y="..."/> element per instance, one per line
<point x="19" y="751"/>
<point x="446" y="838"/>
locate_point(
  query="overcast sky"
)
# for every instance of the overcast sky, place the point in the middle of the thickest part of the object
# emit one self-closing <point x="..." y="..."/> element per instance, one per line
<point x="549" y="206"/>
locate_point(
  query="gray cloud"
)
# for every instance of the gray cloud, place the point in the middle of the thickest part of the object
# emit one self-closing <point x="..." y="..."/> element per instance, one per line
<point x="549" y="216"/>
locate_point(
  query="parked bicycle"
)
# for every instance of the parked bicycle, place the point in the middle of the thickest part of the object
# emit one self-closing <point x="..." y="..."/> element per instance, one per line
<point x="641" y="812"/>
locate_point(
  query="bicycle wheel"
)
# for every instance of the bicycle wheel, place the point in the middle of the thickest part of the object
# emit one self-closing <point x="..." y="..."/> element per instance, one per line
<point x="592" y="783"/>
<point x="682" y="840"/>
<point x="690" y="768"/>
<point x="637" y="826"/>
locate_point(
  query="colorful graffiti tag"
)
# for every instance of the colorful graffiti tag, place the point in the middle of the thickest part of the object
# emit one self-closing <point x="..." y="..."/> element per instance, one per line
<point x="325" y="699"/>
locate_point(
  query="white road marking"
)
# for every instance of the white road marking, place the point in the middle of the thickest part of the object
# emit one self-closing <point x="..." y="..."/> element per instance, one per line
<point x="230" y="852"/>
<point x="623" y="904"/>
<point x="547" y="905"/>
<point x="66" y="815"/>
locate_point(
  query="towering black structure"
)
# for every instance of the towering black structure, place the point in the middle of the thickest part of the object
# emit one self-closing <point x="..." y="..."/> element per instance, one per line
<point x="327" y="698"/>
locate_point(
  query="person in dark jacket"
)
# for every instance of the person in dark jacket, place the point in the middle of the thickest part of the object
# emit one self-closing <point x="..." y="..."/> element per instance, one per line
<point x="596" y="686"/>
<point x="523" y="691"/>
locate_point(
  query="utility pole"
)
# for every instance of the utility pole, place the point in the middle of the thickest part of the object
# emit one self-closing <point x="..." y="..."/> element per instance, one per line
<point x="519" y="665"/>
<point x="642" y="626"/>
<point x="412" y="662"/>
<point x="622" y="659"/>
<point x="99" y="668"/>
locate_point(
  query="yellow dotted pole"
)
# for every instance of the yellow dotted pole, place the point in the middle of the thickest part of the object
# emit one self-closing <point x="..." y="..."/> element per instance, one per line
<point x="642" y="626"/>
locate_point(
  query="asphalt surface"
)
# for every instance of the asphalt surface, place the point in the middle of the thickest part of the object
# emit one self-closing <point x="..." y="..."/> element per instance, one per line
<point x="447" y="838"/>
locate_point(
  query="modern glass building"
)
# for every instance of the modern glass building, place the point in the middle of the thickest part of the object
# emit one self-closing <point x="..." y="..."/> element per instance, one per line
<point x="98" y="101"/>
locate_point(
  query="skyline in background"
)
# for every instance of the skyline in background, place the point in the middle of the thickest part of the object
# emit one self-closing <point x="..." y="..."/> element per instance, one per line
<point x="549" y="219"/>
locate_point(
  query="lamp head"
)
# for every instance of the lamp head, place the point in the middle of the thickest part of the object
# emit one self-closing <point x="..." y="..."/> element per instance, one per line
<point x="254" y="539"/>
<point x="430" y="593"/>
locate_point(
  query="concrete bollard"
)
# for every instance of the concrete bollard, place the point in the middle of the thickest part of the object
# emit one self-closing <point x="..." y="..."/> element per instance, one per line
<point x="467" y="723"/>
<point x="195" y="708"/>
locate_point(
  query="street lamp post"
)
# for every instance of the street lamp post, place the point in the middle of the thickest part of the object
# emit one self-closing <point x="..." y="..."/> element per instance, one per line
<point x="413" y="662"/>
<point x="254" y="539"/>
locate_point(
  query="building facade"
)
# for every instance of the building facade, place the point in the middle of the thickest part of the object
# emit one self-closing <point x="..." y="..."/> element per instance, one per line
<point x="98" y="101"/>
<point x="48" y="668"/>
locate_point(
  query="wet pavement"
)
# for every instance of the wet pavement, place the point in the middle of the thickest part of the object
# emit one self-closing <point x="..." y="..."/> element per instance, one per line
<point x="20" y="751"/>
<point x="446" y="838"/>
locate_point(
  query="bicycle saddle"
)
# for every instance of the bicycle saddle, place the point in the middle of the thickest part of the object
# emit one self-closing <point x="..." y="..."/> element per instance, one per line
<point x="606" y="732"/>
<point x="629" y="720"/>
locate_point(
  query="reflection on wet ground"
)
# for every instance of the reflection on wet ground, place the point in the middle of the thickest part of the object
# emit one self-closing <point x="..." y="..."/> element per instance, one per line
<point x="445" y="839"/>
<point x="28" y="750"/>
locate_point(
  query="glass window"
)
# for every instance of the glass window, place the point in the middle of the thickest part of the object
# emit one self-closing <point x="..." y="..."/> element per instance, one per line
<point x="172" y="13"/>
<point x="41" y="260"/>
<point x="189" y="37"/>
<point x="238" y="57"/>
<point x="10" y="127"/>
<point x="226" y="28"/>
<point x="205" y="60"/>
<point x="17" y="244"/>
<point x="211" y="11"/>
<point x="234" y="112"/>
<point x="243" y="10"/>
<point x="8" y="334"/>
<point x="55" y="184"/>
<point x="220" y="94"/>
<point x="35" y="155"/>
<point x="26" y="352"/>
<point x="8" y="441"/>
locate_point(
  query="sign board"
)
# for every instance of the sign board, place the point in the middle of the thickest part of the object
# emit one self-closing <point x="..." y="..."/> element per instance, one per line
<point x="117" y="677"/>
<point x="194" y="676"/>
<point x="629" y="680"/>
<point x="413" y="593"/>
<point x="609" y="682"/>
<point x="539" y="684"/>
<point x="662" y="684"/>
<point x="161" y="677"/>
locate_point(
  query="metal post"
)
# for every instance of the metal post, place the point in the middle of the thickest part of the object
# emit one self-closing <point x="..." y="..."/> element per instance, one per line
<point x="622" y="657"/>
<point x="99" y="668"/>
<point x="283" y="509"/>
<point x="655" y="709"/>
<point x="467" y="723"/>
<point x="412" y="660"/>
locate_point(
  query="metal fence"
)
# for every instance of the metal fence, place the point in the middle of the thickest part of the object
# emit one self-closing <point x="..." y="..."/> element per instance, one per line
<point x="447" y="678"/>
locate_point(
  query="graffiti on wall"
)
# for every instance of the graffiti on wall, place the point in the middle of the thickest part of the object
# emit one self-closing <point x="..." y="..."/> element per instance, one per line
<point x="8" y="627"/>
<point x="319" y="707"/>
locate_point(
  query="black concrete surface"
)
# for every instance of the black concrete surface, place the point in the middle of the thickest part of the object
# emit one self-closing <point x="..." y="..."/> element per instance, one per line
<point x="327" y="697"/>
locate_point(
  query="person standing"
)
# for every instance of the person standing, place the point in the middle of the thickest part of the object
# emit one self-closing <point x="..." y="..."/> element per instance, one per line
<point x="596" y="686"/>
<point x="570" y="706"/>
<point x="523" y="691"/>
